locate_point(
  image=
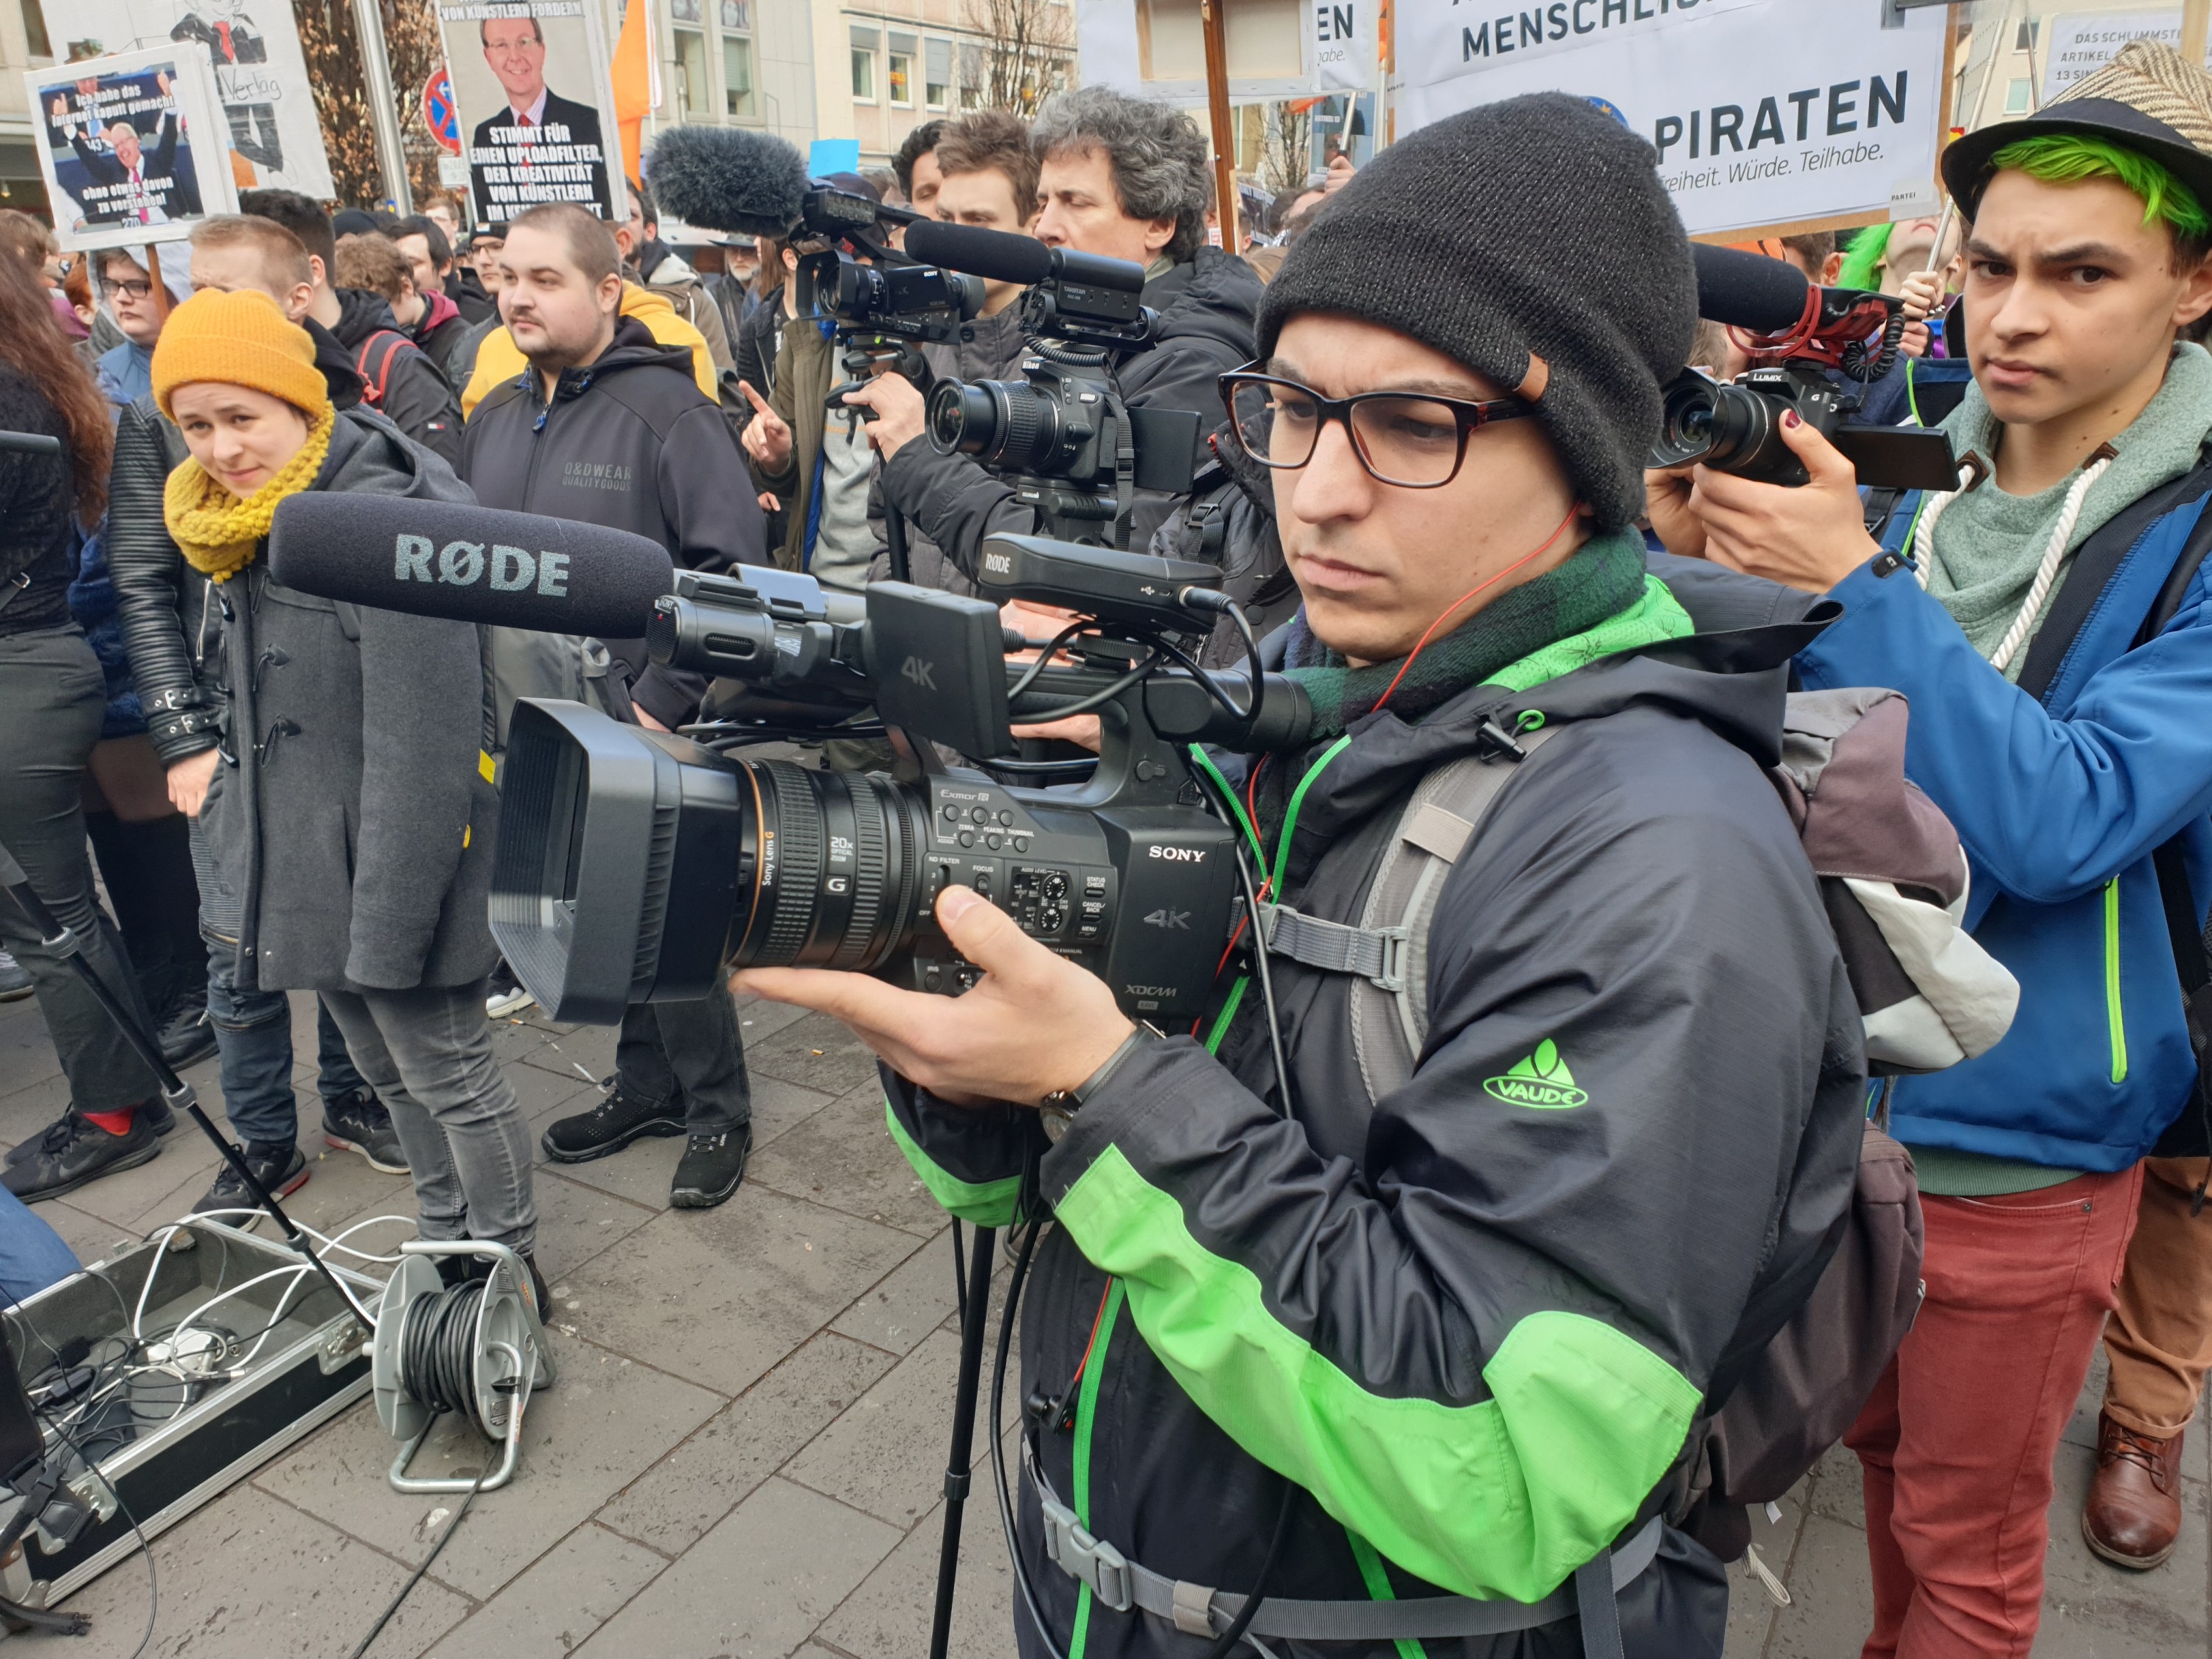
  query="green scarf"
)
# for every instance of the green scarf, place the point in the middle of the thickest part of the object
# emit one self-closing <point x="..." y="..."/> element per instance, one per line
<point x="1595" y="603"/>
<point x="1988" y="543"/>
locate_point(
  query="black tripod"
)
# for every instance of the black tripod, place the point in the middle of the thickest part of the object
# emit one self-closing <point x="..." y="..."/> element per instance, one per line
<point x="64" y="944"/>
<point x="973" y="1276"/>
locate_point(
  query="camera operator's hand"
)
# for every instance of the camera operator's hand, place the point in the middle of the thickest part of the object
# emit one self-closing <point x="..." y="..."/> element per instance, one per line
<point x="1810" y="537"/>
<point x="1667" y="491"/>
<point x="898" y="408"/>
<point x="1922" y="293"/>
<point x="1035" y="1023"/>
<point x="766" y="438"/>
<point x="188" y="781"/>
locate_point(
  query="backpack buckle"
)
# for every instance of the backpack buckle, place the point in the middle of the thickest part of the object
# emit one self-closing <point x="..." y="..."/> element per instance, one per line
<point x="1085" y="1559"/>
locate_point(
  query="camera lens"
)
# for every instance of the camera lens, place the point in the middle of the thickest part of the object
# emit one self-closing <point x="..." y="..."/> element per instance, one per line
<point x="830" y="868"/>
<point x="1003" y="423"/>
<point x="1685" y="428"/>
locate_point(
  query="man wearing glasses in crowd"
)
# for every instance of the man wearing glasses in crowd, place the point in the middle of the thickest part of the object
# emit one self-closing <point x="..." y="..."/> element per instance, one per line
<point x="126" y="371"/>
<point x="1449" y="1337"/>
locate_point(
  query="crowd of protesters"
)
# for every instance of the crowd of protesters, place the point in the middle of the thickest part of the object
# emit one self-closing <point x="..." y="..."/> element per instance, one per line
<point x="237" y="794"/>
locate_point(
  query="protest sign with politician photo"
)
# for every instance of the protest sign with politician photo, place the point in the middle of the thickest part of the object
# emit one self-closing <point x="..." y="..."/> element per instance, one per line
<point x="261" y="85"/>
<point x="134" y="149"/>
<point x="535" y="103"/>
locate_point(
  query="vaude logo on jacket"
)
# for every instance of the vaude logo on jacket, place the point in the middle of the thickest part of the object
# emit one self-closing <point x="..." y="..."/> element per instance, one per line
<point x="1542" y="1081"/>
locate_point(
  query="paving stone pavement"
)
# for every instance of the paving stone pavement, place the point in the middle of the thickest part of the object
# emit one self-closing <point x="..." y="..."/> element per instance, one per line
<point x="744" y="1453"/>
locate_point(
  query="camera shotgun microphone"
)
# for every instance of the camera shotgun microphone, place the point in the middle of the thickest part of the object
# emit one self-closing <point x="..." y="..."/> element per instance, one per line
<point x="473" y="564"/>
<point x="1745" y="290"/>
<point x="727" y="179"/>
<point x="1005" y="258"/>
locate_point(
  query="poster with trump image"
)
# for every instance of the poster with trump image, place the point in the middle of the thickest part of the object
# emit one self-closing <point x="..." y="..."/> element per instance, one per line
<point x="536" y="104"/>
<point x="134" y="149"/>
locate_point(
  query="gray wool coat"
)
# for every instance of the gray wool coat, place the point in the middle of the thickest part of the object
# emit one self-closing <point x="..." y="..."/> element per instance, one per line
<point x="351" y="816"/>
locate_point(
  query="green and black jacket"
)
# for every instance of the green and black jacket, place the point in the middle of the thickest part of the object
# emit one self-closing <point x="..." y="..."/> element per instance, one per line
<point x="1475" y="1324"/>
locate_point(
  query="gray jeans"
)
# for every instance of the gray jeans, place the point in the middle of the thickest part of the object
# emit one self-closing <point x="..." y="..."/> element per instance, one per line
<point x="428" y="1055"/>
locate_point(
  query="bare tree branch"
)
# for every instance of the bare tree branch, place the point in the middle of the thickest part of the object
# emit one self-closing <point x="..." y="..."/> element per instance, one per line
<point x="1027" y="46"/>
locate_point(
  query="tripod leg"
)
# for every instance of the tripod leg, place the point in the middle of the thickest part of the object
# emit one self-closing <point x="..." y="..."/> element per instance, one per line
<point x="983" y="1252"/>
<point x="895" y="542"/>
<point x="64" y="944"/>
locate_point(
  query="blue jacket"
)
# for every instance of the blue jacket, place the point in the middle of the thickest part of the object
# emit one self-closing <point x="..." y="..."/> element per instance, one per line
<point x="126" y="372"/>
<point x="2060" y="805"/>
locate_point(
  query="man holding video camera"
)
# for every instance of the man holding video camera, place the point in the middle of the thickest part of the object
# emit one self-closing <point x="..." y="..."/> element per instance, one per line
<point x="1126" y="178"/>
<point x="2048" y="621"/>
<point x="1288" y="1337"/>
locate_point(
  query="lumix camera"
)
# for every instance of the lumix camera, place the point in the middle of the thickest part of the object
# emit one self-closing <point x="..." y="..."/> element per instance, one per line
<point x="636" y="866"/>
<point x="1737" y="427"/>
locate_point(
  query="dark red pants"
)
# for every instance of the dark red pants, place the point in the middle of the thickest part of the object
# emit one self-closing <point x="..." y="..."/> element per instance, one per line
<point x="1957" y="1443"/>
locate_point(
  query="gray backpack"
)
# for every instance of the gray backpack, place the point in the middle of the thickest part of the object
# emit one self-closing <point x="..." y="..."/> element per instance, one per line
<point x="1893" y="878"/>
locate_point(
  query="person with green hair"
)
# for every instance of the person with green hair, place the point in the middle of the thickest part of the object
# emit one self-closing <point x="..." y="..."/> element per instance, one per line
<point x="2050" y="620"/>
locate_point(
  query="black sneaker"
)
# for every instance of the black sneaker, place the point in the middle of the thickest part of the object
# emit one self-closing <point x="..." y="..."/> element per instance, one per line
<point x="711" y="1168"/>
<point x="609" y="1127"/>
<point x="187" y="1036"/>
<point x="75" y="1150"/>
<point x="155" y="1114"/>
<point x="282" y="1173"/>
<point x="358" y="1122"/>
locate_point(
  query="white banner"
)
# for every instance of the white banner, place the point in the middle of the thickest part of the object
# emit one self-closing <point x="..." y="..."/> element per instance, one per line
<point x="1749" y="133"/>
<point x="2080" y="43"/>
<point x="260" y="76"/>
<point x="133" y="152"/>
<point x="1342" y="47"/>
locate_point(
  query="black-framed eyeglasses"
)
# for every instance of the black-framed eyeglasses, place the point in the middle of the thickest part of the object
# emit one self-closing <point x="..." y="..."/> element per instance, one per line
<point x="127" y="288"/>
<point x="1416" y="440"/>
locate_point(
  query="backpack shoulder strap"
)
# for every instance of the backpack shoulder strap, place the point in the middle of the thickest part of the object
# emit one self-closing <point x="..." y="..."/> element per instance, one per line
<point x="1388" y="954"/>
<point x="2099" y="558"/>
<point x="374" y="384"/>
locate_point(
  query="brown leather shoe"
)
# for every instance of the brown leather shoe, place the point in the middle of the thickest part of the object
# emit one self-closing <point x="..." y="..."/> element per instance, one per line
<point x="2134" y="1512"/>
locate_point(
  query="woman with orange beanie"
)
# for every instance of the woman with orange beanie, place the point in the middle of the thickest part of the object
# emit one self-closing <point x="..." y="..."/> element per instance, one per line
<point x="347" y="814"/>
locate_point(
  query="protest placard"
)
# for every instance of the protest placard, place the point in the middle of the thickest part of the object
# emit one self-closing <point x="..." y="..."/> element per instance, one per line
<point x="267" y="103"/>
<point x="133" y="150"/>
<point x="525" y="142"/>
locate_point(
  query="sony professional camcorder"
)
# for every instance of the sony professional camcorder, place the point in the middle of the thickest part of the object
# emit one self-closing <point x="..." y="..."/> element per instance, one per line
<point x="1794" y="332"/>
<point x="638" y="866"/>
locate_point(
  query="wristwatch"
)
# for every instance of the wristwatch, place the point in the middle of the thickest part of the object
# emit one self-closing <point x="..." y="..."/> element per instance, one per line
<point x="1059" y="1108"/>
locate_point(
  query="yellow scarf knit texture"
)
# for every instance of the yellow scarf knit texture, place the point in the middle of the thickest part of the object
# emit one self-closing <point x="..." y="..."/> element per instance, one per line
<point x="216" y="531"/>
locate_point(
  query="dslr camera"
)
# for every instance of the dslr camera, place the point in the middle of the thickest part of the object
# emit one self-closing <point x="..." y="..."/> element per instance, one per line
<point x="636" y="866"/>
<point x="1737" y="427"/>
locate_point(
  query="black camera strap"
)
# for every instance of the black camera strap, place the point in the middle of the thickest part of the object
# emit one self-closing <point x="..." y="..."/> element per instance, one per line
<point x="2098" y="561"/>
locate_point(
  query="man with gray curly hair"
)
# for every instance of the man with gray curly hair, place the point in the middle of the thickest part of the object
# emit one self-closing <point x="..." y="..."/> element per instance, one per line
<point x="1124" y="178"/>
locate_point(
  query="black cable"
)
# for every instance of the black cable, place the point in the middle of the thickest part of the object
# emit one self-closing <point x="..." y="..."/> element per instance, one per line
<point x="1052" y="649"/>
<point x="1097" y="699"/>
<point x="153" y="1576"/>
<point x="1235" y="1633"/>
<point x="998" y="1441"/>
<point x="959" y="1271"/>
<point x="1265" y="978"/>
<point x="437" y="1351"/>
<point x="416" y="1577"/>
<point x="1241" y="716"/>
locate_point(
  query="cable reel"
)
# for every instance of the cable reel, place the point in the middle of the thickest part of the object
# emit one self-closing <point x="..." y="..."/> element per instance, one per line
<point x="477" y="1348"/>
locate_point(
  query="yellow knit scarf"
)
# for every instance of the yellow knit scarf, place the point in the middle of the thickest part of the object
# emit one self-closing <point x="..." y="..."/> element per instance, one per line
<point x="216" y="531"/>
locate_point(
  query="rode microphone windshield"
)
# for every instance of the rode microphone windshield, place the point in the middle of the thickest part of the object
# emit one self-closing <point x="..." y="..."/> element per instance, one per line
<point x="727" y="179"/>
<point x="1748" y="290"/>
<point x="1005" y="258"/>
<point x="474" y="564"/>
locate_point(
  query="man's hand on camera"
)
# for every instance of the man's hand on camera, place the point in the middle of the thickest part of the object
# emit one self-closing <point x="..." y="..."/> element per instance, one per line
<point x="898" y="408"/>
<point x="1035" y="1023"/>
<point x="1667" y="504"/>
<point x="188" y="781"/>
<point x="1810" y="537"/>
<point x="767" y="437"/>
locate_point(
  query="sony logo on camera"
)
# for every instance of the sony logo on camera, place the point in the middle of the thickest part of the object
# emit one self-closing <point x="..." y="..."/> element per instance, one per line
<point x="1176" y="854"/>
<point x="463" y="564"/>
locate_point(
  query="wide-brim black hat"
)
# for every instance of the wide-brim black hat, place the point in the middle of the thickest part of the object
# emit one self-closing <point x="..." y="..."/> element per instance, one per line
<point x="2150" y="99"/>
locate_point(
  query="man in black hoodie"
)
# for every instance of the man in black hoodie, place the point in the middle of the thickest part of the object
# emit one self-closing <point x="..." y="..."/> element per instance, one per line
<point x="1124" y="178"/>
<point x="608" y="426"/>
<point x="398" y="379"/>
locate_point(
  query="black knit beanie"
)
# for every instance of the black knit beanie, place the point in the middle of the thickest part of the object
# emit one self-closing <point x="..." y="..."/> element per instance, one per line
<point x="1521" y="237"/>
